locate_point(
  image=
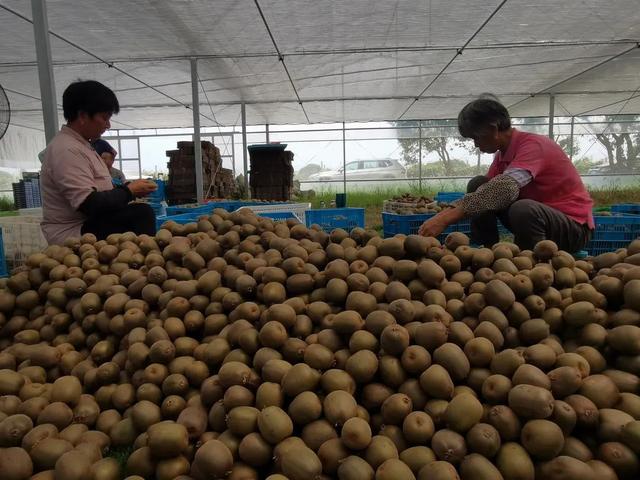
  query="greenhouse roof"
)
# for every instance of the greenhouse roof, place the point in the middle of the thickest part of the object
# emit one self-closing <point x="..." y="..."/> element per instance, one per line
<point x="312" y="61"/>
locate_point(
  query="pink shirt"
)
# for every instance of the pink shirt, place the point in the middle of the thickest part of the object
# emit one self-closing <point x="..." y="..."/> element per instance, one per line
<point x="556" y="182"/>
<point x="71" y="170"/>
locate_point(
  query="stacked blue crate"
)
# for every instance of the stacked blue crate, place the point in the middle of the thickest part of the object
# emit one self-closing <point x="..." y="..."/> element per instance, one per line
<point x="627" y="208"/>
<point x="3" y="261"/>
<point x="448" y="197"/>
<point x="613" y="232"/>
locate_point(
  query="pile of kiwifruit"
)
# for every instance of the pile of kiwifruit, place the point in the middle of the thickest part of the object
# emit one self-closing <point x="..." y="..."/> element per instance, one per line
<point x="241" y="348"/>
<point x="409" y="204"/>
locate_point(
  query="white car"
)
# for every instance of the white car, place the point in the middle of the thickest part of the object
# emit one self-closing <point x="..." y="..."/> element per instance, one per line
<point x="364" y="170"/>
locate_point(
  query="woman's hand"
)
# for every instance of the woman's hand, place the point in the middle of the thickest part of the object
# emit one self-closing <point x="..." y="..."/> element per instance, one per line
<point x="439" y="222"/>
<point x="432" y="227"/>
<point x="142" y="188"/>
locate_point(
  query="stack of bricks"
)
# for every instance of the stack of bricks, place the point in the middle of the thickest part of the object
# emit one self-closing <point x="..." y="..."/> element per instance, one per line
<point x="271" y="174"/>
<point x="181" y="185"/>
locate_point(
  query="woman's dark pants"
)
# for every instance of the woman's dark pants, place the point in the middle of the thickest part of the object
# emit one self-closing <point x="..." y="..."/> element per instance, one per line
<point x="530" y="222"/>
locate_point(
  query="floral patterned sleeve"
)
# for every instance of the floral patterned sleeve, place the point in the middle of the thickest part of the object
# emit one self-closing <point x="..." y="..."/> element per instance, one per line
<point x="497" y="194"/>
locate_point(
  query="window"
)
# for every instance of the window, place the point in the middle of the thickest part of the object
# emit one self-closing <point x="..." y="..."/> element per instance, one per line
<point x="371" y="164"/>
<point x="128" y="148"/>
<point x="352" y="166"/>
<point x="385" y="163"/>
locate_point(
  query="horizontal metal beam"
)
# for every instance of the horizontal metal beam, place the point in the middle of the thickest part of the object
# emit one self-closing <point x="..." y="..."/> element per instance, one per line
<point x="342" y="51"/>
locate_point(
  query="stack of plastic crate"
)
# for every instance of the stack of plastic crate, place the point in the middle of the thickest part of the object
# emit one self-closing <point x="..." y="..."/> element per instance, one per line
<point x="613" y="232"/>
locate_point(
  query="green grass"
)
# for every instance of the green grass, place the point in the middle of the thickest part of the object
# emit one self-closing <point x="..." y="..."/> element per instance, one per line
<point x="6" y="204"/>
<point x="121" y="454"/>
<point x="371" y="200"/>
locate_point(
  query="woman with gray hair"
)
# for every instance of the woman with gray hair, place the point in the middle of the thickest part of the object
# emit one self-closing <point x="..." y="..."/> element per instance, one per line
<point x="531" y="186"/>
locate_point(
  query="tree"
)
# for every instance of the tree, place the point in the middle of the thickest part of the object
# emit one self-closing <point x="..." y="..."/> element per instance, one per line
<point x="307" y="170"/>
<point x="623" y="147"/>
<point x="439" y="137"/>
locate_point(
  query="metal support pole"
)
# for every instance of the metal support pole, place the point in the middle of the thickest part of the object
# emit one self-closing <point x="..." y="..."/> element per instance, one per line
<point x="552" y="106"/>
<point x="344" y="160"/>
<point x="266" y="132"/>
<point x="45" y="68"/>
<point x="233" y="154"/>
<point x="573" y="119"/>
<point x="197" y="147"/>
<point x="420" y="156"/>
<point x="243" y="113"/>
<point x="478" y="166"/>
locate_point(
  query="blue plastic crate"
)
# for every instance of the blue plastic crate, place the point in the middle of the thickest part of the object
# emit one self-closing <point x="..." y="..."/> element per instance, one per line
<point x="392" y="224"/>
<point x="629" y="208"/>
<point x="613" y="232"/>
<point x="279" y="215"/>
<point x="160" y="194"/>
<point x="229" y="205"/>
<point x="332" y="218"/>
<point x="3" y="261"/>
<point x="448" y="196"/>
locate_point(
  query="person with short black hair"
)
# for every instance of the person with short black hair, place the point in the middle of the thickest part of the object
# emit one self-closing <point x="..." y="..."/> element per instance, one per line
<point x="108" y="155"/>
<point x="77" y="193"/>
<point x="531" y="187"/>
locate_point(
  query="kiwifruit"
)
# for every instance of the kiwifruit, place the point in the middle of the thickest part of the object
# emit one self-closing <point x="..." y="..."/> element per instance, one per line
<point x="339" y="406"/>
<point x="437" y="382"/>
<point x="479" y="351"/>
<point x="531" y="375"/>
<point x="625" y="381"/>
<point x="73" y="433"/>
<point x="484" y="439"/>
<point x="449" y="446"/>
<point x="542" y="439"/>
<point x="213" y="459"/>
<point x="463" y="412"/>
<point x="73" y="465"/>
<point x="46" y="453"/>
<point x="565" y="381"/>
<point x="274" y="424"/>
<point x="415" y="359"/>
<point x="587" y="414"/>
<point x="167" y="439"/>
<point x="395" y="408"/>
<point x="503" y="419"/>
<point x="430" y="335"/>
<point x="331" y="453"/>
<point x="507" y="362"/>
<point x="15" y="464"/>
<point x="255" y="450"/>
<point x="13" y="429"/>
<point x="354" y="468"/>
<point x="478" y="467"/>
<point x="438" y="470"/>
<point x="301" y="463"/>
<point x="305" y="408"/>
<point x="452" y="358"/>
<point x="418" y="428"/>
<point x="611" y="422"/>
<point x="601" y="390"/>
<point x="57" y="413"/>
<point x="565" y="467"/>
<point x="380" y="449"/>
<point x="356" y="434"/>
<point x="514" y="462"/>
<point x="576" y="449"/>
<point x="394" y="468"/>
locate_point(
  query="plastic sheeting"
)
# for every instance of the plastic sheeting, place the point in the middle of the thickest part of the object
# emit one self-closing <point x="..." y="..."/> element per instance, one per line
<point x="361" y="60"/>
